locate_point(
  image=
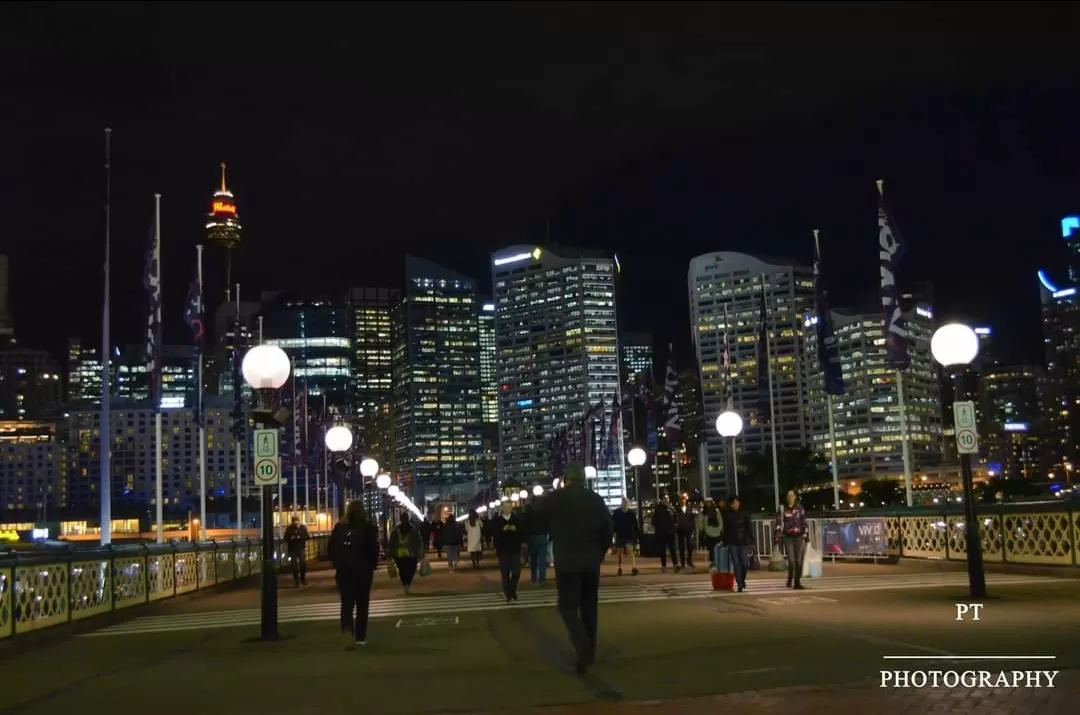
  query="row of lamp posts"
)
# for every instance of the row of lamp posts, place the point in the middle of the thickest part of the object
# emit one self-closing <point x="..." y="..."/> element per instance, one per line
<point x="266" y="369"/>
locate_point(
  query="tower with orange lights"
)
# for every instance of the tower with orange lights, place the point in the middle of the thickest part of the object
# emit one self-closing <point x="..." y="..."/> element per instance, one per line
<point x="223" y="227"/>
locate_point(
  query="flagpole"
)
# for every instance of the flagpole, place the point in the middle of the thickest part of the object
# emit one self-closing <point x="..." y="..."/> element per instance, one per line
<point x="292" y="375"/>
<point x="307" y="455"/>
<point x="155" y="391"/>
<point x="104" y="431"/>
<point x="325" y="458"/>
<point x="772" y="404"/>
<point x="905" y="444"/>
<point x="825" y="383"/>
<point x="237" y="399"/>
<point x="199" y="402"/>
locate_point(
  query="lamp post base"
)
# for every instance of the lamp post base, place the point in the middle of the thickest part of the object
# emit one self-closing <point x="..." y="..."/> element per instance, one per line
<point x="269" y="615"/>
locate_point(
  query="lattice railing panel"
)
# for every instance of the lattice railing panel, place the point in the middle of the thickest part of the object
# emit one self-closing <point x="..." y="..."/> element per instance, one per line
<point x="187" y="572"/>
<point x="41" y="596"/>
<point x="162" y="576"/>
<point x="1043" y="538"/>
<point x="207" y="569"/>
<point x="129" y="581"/>
<point x="226" y="565"/>
<point x="7" y="620"/>
<point x="923" y="537"/>
<point x="91" y="588"/>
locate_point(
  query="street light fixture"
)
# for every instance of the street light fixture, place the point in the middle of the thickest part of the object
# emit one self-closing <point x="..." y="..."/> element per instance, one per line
<point x="339" y="439"/>
<point x="515" y="497"/>
<point x="637" y="456"/>
<point x="730" y="425"/>
<point x="590" y="472"/>
<point x="393" y="490"/>
<point x="523" y="494"/>
<point x="266" y="370"/>
<point x="555" y="483"/>
<point x="957" y="345"/>
<point x="538" y="490"/>
<point x="382" y="481"/>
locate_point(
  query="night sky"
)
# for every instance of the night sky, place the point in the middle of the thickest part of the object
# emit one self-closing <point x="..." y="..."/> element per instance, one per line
<point x="660" y="131"/>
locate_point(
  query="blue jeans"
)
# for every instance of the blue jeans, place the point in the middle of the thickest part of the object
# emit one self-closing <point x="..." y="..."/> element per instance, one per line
<point x="737" y="559"/>
<point x="538" y="546"/>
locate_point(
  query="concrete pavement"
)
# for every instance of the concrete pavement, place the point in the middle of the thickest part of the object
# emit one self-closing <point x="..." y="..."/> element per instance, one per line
<point x="757" y="653"/>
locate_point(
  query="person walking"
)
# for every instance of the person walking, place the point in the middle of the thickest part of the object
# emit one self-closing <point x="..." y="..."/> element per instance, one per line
<point x="625" y="524"/>
<point x="663" y="523"/>
<point x="474" y="537"/>
<point x="686" y="526"/>
<point x="449" y="537"/>
<point x="536" y="538"/>
<point x="509" y="536"/>
<point x="738" y="536"/>
<point x="793" y="532"/>
<point x="581" y="534"/>
<point x="406" y="548"/>
<point x="354" y="553"/>
<point x="712" y="529"/>
<point x="296" y="538"/>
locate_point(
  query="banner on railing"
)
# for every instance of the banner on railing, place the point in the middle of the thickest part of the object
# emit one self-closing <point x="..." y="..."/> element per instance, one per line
<point x="854" y="537"/>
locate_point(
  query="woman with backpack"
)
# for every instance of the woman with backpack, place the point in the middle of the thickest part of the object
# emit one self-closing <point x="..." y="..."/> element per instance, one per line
<point x="406" y="548"/>
<point x="354" y="552"/>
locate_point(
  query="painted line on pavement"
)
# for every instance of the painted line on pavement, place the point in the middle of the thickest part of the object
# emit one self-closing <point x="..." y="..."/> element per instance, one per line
<point x="476" y="603"/>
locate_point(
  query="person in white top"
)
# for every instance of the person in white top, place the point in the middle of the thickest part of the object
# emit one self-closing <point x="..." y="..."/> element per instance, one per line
<point x="474" y="537"/>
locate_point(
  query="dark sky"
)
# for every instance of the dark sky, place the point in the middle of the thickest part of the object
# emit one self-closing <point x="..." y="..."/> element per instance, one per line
<point x="447" y="130"/>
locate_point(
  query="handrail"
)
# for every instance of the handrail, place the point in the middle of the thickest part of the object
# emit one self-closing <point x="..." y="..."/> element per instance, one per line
<point x="45" y="588"/>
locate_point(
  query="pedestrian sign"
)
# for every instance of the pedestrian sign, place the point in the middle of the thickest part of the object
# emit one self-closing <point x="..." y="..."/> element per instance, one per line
<point x="267" y="471"/>
<point x="963" y="415"/>
<point x="266" y="443"/>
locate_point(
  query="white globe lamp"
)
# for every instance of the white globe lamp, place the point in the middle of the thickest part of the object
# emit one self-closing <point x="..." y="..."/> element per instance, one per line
<point x="515" y="497"/>
<point x="636" y="457"/>
<point x="523" y="494"/>
<point x="954" y="344"/>
<point x="393" y="491"/>
<point x="338" y="439"/>
<point x="729" y="424"/>
<point x="382" y="481"/>
<point x="590" y="472"/>
<point x="538" y="490"/>
<point x="369" y="468"/>
<point x="555" y="483"/>
<point x="265" y="367"/>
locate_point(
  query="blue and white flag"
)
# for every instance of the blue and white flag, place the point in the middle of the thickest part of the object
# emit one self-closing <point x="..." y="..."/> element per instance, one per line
<point x="152" y="283"/>
<point x="763" y="387"/>
<point x="827" y="349"/>
<point x="890" y="252"/>
<point x="672" y="418"/>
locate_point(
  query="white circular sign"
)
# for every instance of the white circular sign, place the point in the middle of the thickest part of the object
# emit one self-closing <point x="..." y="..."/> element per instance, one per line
<point x="267" y="471"/>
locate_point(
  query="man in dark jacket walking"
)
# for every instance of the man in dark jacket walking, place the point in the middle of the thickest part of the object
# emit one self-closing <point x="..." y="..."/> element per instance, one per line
<point x="738" y="536"/>
<point x="509" y="536"/>
<point x="624" y="520"/>
<point x="581" y="533"/>
<point x="663" y="523"/>
<point x="354" y="552"/>
<point x="296" y="538"/>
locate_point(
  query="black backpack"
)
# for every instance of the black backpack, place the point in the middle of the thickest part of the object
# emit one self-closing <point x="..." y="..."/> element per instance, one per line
<point x="347" y="549"/>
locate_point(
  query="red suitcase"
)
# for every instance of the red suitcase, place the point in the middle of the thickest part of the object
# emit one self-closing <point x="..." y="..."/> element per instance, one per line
<point x="723" y="581"/>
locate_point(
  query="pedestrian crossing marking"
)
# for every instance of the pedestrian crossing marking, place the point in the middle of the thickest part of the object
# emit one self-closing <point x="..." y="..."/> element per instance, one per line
<point x="457" y="605"/>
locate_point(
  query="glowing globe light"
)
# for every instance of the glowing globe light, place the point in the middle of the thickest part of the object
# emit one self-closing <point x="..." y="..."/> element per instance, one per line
<point x="954" y="344"/>
<point x="538" y="490"/>
<point x="523" y="494"/>
<point x="339" y="439"/>
<point x="729" y="424"/>
<point x="265" y="367"/>
<point x="393" y="490"/>
<point x="556" y="483"/>
<point x="369" y="468"/>
<point x="636" y="457"/>
<point x="590" y="472"/>
<point x="382" y="481"/>
<point x="515" y="497"/>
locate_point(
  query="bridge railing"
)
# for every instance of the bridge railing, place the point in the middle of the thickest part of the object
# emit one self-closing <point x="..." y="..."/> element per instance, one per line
<point x="1037" y="533"/>
<point x="48" y="588"/>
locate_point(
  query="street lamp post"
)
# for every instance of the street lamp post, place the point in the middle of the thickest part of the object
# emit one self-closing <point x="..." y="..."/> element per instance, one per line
<point x="266" y="369"/>
<point x="338" y="440"/>
<point x="729" y="424"/>
<point x="957" y="345"/>
<point x="637" y="457"/>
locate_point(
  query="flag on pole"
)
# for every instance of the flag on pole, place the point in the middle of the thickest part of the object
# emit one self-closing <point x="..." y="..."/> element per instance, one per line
<point x="673" y="420"/>
<point x="763" y="360"/>
<point x="587" y="424"/>
<point x="890" y="253"/>
<point x="611" y="454"/>
<point x="299" y="420"/>
<point x="827" y="349"/>
<point x="193" y="316"/>
<point x="152" y="283"/>
<point x="727" y="360"/>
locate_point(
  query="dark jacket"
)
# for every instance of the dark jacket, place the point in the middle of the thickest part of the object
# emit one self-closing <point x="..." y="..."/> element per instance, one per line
<point x="580" y="526"/>
<point x="624" y="522"/>
<point x="738" y="529"/>
<point x="533" y="522"/>
<point x="509" y="534"/>
<point x="354" y="550"/>
<point x="792" y="521"/>
<point x="295" y="537"/>
<point x="450" y="533"/>
<point x="687" y="520"/>
<point x="663" y="519"/>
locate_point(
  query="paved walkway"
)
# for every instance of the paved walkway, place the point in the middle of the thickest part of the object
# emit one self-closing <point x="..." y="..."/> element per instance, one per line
<point x="761" y="652"/>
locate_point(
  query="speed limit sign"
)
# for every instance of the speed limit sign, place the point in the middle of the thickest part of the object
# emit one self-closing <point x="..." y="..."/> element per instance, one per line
<point x="267" y="471"/>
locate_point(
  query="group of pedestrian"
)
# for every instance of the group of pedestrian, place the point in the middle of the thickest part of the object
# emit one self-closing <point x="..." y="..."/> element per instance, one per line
<point x="675" y="528"/>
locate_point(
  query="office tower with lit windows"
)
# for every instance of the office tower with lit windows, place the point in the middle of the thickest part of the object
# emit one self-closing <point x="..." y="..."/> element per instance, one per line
<point x="488" y="382"/>
<point x="1009" y="423"/>
<point x="316" y="333"/>
<point x="725" y="306"/>
<point x="556" y="359"/>
<point x="437" y="395"/>
<point x="373" y="370"/>
<point x="637" y="355"/>
<point x="866" y="418"/>
<point x="1060" y="399"/>
<point x="132" y="381"/>
<point x="83" y="374"/>
<point x="30" y="384"/>
<point x="33" y="467"/>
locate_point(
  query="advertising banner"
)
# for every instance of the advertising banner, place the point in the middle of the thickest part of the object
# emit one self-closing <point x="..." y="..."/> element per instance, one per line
<point x="854" y="537"/>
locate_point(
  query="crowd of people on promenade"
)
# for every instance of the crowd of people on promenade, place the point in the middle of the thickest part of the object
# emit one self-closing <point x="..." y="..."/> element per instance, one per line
<point x="570" y="529"/>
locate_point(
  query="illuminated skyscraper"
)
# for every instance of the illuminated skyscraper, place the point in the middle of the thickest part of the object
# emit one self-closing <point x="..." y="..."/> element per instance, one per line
<point x="1060" y="397"/>
<point x="725" y="308"/>
<point x="1009" y="424"/>
<point x="437" y="406"/>
<point x="223" y="227"/>
<point x="488" y="383"/>
<point x="373" y="370"/>
<point x="556" y="359"/>
<point x="637" y="355"/>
